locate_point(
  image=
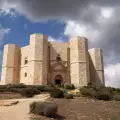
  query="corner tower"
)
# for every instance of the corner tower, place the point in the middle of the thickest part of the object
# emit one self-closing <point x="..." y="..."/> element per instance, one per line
<point x="11" y="64"/>
<point x="38" y="59"/>
<point x="96" y="66"/>
<point x="79" y="61"/>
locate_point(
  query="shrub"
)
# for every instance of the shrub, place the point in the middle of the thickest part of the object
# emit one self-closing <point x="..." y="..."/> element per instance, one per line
<point x="107" y="89"/>
<point x="3" y="88"/>
<point x="68" y="96"/>
<point x="62" y="85"/>
<point x="11" y="86"/>
<point x="57" y="93"/>
<point x="48" y="89"/>
<point x="43" y="108"/>
<point x="115" y="118"/>
<point x="89" y="92"/>
<point x="69" y="86"/>
<point x="118" y="90"/>
<point x="117" y="97"/>
<point x="38" y="87"/>
<point x="100" y="95"/>
<point x="29" y="92"/>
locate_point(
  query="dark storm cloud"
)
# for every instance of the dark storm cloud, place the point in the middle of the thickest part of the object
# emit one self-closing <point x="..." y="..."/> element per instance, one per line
<point x="84" y="12"/>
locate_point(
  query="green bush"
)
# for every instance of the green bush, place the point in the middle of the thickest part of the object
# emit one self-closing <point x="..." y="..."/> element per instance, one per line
<point x="62" y="85"/>
<point x="107" y="89"/>
<point x="57" y="93"/>
<point x="43" y="108"/>
<point x="115" y="118"/>
<point x="28" y="92"/>
<point x="10" y="86"/>
<point x="69" y="86"/>
<point x="117" y="97"/>
<point x="68" y="96"/>
<point x="38" y="87"/>
<point x="100" y="95"/>
<point x="89" y="92"/>
<point x="3" y="88"/>
<point x="48" y="89"/>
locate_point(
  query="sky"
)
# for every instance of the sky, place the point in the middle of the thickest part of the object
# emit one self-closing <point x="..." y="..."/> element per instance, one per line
<point x="97" y="20"/>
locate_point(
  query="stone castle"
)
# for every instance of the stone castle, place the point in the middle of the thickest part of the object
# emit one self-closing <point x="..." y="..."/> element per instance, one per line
<point x="43" y="62"/>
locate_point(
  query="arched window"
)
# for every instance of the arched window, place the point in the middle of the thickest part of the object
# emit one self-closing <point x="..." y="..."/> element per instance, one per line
<point x="26" y="60"/>
<point x="58" y="58"/>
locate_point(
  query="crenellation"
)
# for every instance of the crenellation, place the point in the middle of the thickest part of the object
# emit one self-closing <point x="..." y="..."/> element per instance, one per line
<point x="44" y="62"/>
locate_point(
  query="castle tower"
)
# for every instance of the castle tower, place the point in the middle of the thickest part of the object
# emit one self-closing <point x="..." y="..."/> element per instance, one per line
<point x="96" y="66"/>
<point x="38" y="59"/>
<point x="79" y="61"/>
<point x="11" y="64"/>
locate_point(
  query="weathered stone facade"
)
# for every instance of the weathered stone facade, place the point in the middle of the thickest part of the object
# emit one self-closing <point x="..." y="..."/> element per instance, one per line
<point x="43" y="62"/>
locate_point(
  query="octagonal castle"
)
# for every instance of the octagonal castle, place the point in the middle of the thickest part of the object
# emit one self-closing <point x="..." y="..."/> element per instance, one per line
<point x="43" y="62"/>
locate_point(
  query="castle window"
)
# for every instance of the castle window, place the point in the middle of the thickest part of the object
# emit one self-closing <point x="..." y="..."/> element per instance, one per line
<point x="25" y="74"/>
<point x="58" y="58"/>
<point x="26" y="60"/>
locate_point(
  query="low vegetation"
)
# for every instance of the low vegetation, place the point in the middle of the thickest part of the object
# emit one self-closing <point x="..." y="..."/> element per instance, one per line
<point x="44" y="108"/>
<point x="68" y="96"/>
<point x="100" y="93"/>
<point x="57" y="93"/>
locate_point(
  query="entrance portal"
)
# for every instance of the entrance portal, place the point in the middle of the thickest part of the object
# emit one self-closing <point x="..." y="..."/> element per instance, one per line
<point x="58" y="80"/>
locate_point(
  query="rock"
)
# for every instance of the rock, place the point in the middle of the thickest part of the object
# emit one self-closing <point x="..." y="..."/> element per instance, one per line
<point x="8" y="103"/>
<point x="74" y="92"/>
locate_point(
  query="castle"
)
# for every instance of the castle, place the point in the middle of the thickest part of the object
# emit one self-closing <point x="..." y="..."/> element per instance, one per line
<point x="43" y="62"/>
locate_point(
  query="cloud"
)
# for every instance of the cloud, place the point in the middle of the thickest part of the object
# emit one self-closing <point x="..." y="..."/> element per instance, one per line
<point x="97" y="20"/>
<point x="6" y="9"/>
<point x="3" y="31"/>
<point x="112" y="75"/>
<point x="51" y="39"/>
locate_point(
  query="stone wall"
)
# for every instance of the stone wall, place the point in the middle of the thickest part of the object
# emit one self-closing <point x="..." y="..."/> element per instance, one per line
<point x="24" y="67"/>
<point x="37" y="66"/>
<point x="96" y="66"/>
<point x="79" y="63"/>
<point x="11" y="64"/>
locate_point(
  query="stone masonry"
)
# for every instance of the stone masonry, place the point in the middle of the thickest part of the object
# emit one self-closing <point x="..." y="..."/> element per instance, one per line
<point x="43" y="62"/>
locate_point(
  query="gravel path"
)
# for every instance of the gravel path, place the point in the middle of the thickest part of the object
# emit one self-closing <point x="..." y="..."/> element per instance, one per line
<point x="19" y="111"/>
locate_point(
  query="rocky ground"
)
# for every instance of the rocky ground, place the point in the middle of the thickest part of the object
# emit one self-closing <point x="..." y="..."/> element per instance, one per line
<point x="75" y="109"/>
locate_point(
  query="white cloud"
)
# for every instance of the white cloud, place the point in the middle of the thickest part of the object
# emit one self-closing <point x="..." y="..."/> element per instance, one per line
<point x="106" y="12"/>
<point x="6" y="9"/>
<point x="51" y="39"/>
<point x="3" y="31"/>
<point x="112" y="75"/>
<point x="74" y="28"/>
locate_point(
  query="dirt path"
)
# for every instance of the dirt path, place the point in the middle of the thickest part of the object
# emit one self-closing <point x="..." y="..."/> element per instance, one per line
<point x="19" y="111"/>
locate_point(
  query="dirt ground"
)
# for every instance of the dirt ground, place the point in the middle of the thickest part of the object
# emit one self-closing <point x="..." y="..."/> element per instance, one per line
<point x="74" y="109"/>
<point x="9" y="95"/>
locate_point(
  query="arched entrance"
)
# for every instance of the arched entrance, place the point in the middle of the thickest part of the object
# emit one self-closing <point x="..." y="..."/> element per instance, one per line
<point x="58" y="80"/>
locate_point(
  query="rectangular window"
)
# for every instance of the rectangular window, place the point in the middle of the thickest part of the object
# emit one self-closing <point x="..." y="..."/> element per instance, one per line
<point x="26" y="60"/>
<point x="25" y="74"/>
